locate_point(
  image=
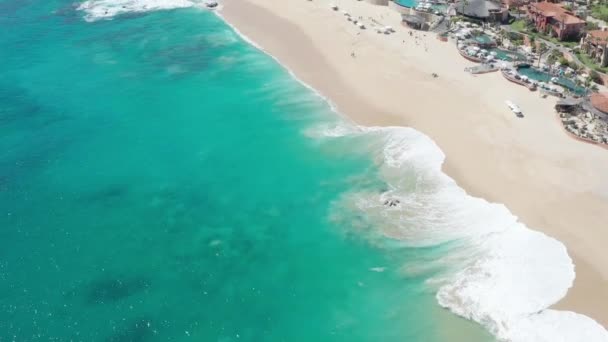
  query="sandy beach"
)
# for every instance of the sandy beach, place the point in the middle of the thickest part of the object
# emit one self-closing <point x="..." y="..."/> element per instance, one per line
<point x="552" y="182"/>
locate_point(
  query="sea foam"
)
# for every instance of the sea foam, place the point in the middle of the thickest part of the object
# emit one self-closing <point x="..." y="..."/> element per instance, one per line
<point x="107" y="9"/>
<point x="506" y="275"/>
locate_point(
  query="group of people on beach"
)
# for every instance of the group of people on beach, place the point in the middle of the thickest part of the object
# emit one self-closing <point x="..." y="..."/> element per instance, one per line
<point x="417" y="40"/>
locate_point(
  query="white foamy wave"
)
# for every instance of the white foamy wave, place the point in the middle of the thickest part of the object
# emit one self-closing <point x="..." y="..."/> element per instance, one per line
<point x="107" y="9"/>
<point x="506" y="274"/>
<point x="332" y="130"/>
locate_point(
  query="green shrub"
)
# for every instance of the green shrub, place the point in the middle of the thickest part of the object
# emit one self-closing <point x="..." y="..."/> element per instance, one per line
<point x="595" y="77"/>
<point x="600" y="12"/>
<point x="591" y="26"/>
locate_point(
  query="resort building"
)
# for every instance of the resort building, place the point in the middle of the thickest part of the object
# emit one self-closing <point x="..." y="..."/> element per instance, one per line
<point x="484" y="10"/>
<point x="555" y="20"/>
<point x="594" y="45"/>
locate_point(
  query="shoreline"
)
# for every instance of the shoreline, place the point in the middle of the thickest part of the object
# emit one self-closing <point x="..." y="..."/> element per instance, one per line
<point x="572" y="214"/>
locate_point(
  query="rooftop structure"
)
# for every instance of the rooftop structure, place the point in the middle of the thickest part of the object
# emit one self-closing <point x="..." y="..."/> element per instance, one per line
<point x="555" y="20"/>
<point x="485" y="10"/>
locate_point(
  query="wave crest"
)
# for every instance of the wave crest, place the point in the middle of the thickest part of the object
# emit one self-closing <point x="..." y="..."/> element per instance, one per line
<point x="107" y="9"/>
<point x="505" y="276"/>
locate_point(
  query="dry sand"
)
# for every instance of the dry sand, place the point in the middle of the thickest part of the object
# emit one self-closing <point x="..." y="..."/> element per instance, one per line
<point x="552" y="182"/>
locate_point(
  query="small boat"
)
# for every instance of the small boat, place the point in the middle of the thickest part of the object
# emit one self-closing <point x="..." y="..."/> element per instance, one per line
<point x="334" y="7"/>
<point x="514" y="108"/>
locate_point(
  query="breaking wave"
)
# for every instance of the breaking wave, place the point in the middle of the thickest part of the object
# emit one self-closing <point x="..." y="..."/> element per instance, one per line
<point x="503" y="275"/>
<point x="108" y="9"/>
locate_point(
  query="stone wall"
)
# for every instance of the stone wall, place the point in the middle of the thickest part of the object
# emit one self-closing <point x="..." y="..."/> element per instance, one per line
<point x="429" y="17"/>
<point x="378" y="2"/>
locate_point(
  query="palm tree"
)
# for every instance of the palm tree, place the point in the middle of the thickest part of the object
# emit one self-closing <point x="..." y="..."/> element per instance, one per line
<point x="541" y="49"/>
<point x="517" y="4"/>
<point x="562" y="25"/>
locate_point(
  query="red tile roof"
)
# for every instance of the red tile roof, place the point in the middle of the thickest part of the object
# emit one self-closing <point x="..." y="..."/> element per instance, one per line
<point x="556" y="11"/>
<point x="598" y="36"/>
<point x="600" y="101"/>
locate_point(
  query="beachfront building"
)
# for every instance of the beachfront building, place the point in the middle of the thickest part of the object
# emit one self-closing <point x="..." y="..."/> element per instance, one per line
<point x="594" y="45"/>
<point x="555" y="20"/>
<point x="483" y="10"/>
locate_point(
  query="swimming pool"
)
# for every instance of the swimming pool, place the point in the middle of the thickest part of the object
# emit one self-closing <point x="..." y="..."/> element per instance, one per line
<point x="509" y="56"/>
<point x="484" y="40"/>
<point x="407" y="3"/>
<point x="541" y="76"/>
<point x="441" y="8"/>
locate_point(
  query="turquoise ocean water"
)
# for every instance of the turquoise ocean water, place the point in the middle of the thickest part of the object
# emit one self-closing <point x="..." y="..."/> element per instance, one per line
<point x="159" y="182"/>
